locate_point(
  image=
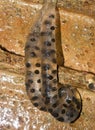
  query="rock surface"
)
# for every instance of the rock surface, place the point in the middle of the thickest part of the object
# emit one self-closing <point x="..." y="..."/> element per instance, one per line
<point x="77" y="20"/>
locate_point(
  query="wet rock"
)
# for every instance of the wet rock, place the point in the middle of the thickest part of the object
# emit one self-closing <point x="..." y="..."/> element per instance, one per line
<point x="77" y="20"/>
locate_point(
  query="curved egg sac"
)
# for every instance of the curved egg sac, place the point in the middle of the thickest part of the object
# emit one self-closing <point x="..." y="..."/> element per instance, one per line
<point x="43" y="88"/>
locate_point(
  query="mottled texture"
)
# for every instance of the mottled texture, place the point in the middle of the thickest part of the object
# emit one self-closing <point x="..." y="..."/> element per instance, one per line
<point x="79" y="45"/>
<point x="44" y="91"/>
<point x="16" y="110"/>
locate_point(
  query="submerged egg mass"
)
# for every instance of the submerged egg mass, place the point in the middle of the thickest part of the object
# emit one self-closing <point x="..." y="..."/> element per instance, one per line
<point x="42" y="85"/>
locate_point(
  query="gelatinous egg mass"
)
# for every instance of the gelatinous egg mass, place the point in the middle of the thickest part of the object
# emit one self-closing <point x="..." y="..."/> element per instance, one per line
<point x="43" y="88"/>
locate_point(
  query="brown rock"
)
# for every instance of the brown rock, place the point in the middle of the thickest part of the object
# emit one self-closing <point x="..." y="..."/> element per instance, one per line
<point x="78" y="41"/>
<point x="77" y="19"/>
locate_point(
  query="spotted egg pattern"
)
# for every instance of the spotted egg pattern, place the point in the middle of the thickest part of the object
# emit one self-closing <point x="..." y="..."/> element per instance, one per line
<point x="62" y="101"/>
